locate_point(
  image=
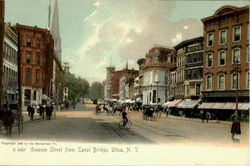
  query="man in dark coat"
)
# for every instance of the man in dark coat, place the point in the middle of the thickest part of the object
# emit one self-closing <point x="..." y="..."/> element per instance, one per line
<point x="235" y="130"/>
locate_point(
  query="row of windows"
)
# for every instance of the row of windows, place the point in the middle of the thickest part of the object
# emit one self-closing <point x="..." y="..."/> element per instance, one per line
<point x="29" y="58"/>
<point x="10" y="76"/>
<point x="222" y="57"/>
<point x="195" y="57"/>
<point x="223" y="36"/>
<point x="29" y="42"/>
<point x="221" y="81"/>
<point x="9" y="53"/>
<point x="180" y="61"/>
<point x="28" y="77"/>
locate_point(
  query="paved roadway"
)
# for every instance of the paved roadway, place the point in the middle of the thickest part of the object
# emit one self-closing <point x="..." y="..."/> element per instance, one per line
<point x="82" y="125"/>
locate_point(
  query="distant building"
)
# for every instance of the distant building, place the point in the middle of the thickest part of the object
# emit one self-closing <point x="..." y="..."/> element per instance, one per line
<point x="66" y="67"/>
<point x="10" y="66"/>
<point x="112" y="81"/>
<point x="154" y="72"/>
<point x="226" y="44"/>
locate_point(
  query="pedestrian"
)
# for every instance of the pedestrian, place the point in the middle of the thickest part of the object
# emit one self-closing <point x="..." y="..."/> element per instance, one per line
<point x="203" y="115"/>
<point x="208" y="116"/>
<point x="32" y="111"/>
<point x="235" y="129"/>
<point x="29" y="108"/>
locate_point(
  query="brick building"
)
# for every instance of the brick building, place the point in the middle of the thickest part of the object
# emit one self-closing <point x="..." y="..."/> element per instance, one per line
<point x="226" y="46"/>
<point x="1" y="45"/>
<point x="117" y="75"/>
<point x="36" y="53"/>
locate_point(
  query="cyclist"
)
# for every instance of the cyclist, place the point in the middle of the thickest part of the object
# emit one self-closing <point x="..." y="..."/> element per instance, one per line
<point x="124" y="117"/>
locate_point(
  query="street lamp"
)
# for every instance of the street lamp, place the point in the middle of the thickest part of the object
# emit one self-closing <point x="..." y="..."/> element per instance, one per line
<point x="157" y="81"/>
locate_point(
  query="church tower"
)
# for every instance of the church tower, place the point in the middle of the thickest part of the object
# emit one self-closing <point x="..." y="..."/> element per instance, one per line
<point x="55" y="31"/>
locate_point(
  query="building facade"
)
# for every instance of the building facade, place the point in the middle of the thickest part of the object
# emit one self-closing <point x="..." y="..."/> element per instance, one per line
<point x="2" y="7"/>
<point x="226" y="48"/>
<point x="226" y="63"/>
<point x="36" y="63"/>
<point x="108" y="83"/>
<point x="155" y="70"/>
<point x="10" y="66"/>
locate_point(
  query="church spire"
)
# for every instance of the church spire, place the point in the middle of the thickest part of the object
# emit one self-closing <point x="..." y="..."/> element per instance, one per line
<point x="126" y="67"/>
<point x="55" y="31"/>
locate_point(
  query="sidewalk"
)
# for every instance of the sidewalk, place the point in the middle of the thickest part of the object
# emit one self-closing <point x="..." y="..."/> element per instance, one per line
<point x="26" y="117"/>
<point x="163" y="116"/>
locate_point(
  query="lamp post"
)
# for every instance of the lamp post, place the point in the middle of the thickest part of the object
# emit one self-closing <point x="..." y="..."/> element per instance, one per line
<point x="157" y="81"/>
<point x="236" y="63"/>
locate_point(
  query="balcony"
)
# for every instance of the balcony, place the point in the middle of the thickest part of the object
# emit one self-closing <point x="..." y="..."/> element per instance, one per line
<point x="193" y="64"/>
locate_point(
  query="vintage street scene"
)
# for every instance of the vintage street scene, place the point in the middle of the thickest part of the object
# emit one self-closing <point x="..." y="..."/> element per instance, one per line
<point x="151" y="73"/>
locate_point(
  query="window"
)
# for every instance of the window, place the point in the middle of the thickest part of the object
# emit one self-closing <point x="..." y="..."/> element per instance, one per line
<point x="28" y="41"/>
<point x="37" y="77"/>
<point x="28" y="58"/>
<point x="221" y="80"/>
<point x="38" y="43"/>
<point x="34" y="95"/>
<point x="210" y="59"/>
<point x="209" y="82"/>
<point x="248" y="80"/>
<point x="236" y="56"/>
<point x="38" y="59"/>
<point x="210" y="39"/>
<point x="154" y="96"/>
<point x="28" y="76"/>
<point x="198" y="88"/>
<point x="234" y="81"/>
<point x="222" y="58"/>
<point x="236" y="33"/>
<point x="223" y="36"/>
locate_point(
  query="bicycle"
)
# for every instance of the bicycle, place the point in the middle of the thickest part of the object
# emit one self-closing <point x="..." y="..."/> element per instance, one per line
<point x="127" y="126"/>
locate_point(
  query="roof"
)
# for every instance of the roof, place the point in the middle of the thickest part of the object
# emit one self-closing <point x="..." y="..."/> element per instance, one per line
<point x="189" y="41"/>
<point x="225" y="10"/>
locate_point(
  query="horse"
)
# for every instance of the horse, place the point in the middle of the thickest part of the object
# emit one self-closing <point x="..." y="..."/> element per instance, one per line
<point x="8" y="120"/>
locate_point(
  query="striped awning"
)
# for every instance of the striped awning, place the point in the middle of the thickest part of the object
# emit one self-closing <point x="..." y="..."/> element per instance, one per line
<point x="188" y="103"/>
<point x="218" y="105"/>
<point x="174" y="103"/>
<point x="206" y="105"/>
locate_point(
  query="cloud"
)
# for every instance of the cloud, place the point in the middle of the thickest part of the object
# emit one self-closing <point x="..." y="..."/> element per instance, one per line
<point x="97" y="4"/>
<point x="127" y="30"/>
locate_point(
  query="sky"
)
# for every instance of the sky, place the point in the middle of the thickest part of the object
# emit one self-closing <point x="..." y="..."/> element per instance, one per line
<point x="97" y="33"/>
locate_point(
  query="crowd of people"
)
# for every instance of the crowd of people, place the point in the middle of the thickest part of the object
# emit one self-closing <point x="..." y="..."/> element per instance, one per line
<point x="42" y="110"/>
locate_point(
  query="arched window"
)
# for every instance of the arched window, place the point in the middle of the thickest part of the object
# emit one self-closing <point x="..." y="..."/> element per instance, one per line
<point x="222" y="58"/>
<point x="209" y="59"/>
<point x="236" y="56"/>
<point x="209" y="82"/>
<point x="221" y="82"/>
<point x="235" y="81"/>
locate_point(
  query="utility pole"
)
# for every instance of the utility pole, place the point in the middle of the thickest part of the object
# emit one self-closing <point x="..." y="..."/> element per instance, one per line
<point x="237" y="88"/>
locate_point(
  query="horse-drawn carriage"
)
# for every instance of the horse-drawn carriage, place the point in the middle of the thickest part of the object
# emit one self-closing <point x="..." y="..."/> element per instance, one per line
<point x="149" y="113"/>
<point x="10" y="117"/>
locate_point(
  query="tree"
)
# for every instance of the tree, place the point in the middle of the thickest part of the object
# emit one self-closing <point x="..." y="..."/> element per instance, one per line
<point x="78" y="87"/>
<point x="96" y="90"/>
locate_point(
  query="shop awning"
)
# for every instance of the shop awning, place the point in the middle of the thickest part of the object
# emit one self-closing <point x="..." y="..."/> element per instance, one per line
<point x="188" y="103"/>
<point x="166" y="104"/>
<point x="206" y="105"/>
<point x="174" y="103"/>
<point x="44" y="97"/>
<point x="229" y="106"/>
<point x="218" y="105"/>
<point x="244" y="106"/>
